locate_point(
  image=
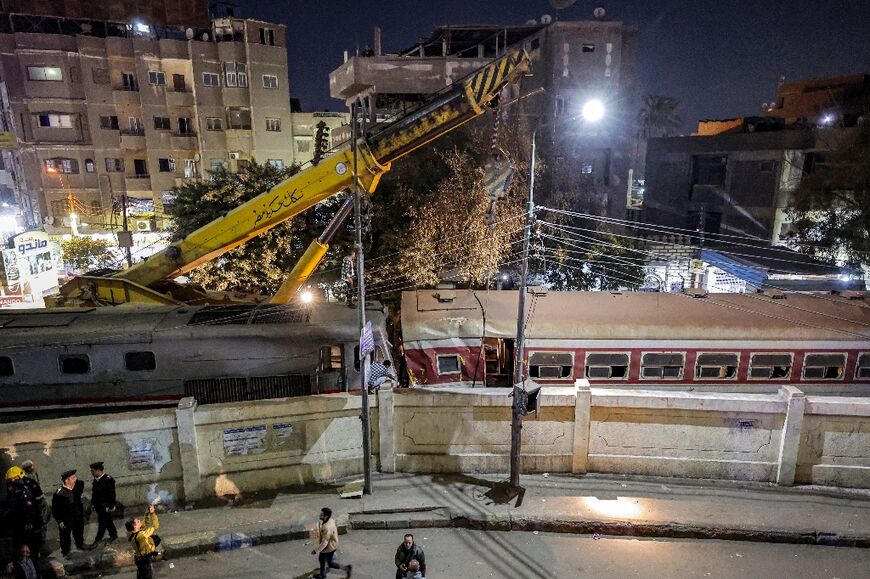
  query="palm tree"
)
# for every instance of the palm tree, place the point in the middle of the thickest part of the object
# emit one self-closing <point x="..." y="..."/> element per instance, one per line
<point x="658" y="117"/>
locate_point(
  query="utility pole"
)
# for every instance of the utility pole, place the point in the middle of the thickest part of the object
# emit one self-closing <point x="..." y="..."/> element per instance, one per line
<point x="125" y="237"/>
<point x="361" y="305"/>
<point x="519" y="391"/>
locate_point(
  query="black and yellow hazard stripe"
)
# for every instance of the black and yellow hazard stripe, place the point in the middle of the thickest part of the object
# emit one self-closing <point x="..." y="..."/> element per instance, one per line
<point x="488" y="81"/>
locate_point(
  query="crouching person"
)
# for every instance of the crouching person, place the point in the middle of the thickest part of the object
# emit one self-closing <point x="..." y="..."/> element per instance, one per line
<point x="144" y="542"/>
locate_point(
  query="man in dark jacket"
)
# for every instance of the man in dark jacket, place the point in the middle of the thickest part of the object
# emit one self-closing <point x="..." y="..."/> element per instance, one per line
<point x="407" y="551"/>
<point x="25" y="501"/>
<point x="68" y="511"/>
<point x="25" y="567"/>
<point x="103" y="502"/>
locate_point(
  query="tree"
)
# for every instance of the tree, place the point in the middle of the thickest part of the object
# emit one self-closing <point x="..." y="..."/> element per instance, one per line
<point x="84" y="253"/>
<point x="658" y="117"/>
<point x="261" y="264"/>
<point x="830" y="208"/>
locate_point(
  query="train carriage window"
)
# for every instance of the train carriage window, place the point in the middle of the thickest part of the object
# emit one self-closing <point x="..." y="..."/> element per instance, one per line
<point x="330" y="358"/>
<point x="656" y="366"/>
<point x="6" y="367"/>
<point x="607" y="366"/>
<point x="862" y="370"/>
<point x="824" y="366"/>
<point x="770" y="366"/>
<point x="140" y="361"/>
<point x="717" y="366"/>
<point x="74" y="363"/>
<point x="449" y="364"/>
<point x="551" y="365"/>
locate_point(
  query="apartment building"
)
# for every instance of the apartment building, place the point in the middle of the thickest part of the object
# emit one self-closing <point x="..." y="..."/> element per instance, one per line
<point x="106" y="109"/>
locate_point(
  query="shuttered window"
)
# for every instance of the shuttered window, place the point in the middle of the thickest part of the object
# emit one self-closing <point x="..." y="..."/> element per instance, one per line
<point x="661" y="366"/>
<point x="551" y="365"/>
<point x="770" y="366"/>
<point x="824" y="366"/>
<point x="862" y="371"/>
<point x="607" y="366"/>
<point x="717" y="366"/>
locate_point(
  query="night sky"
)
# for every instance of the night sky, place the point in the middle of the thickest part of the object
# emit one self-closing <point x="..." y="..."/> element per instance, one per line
<point x="719" y="58"/>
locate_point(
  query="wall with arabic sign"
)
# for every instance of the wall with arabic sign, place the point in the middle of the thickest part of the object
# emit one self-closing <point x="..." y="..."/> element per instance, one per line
<point x="29" y="269"/>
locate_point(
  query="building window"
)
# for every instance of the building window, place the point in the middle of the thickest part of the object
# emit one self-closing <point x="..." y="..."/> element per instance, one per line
<point x="587" y="167"/>
<point x="128" y="81"/>
<point x="55" y="121"/>
<point x="74" y="363"/>
<point x="330" y="359"/>
<point x="211" y="79"/>
<point x="236" y="74"/>
<point x="270" y="81"/>
<point x="70" y="166"/>
<point x="114" y="165"/>
<point x="189" y="168"/>
<point x="607" y="366"/>
<point x="166" y="165"/>
<point x="766" y="166"/>
<point x="552" y="365"/>
<point x="448" y="364"/>
<point x="140" y="361"/>
<point x="140" y="168"/>
<point x="273" y="125"/>
<point x="109" y="122"/>
<point x="6" y="367"/>
<point x="239" y="118"/>
<point x="709" y="169"/>
<point x="96" y="208"/>
<point x="135" y="125"/>
<point x="59" y="207"/>
<point x="303" y="145"/>
<point x="862" y="369"/>
<point x="157" y="77"/>
<point x="588" y="48"/>
<point x="770" y="366"/>
<point x="53" y="73"/>
<point x="267" y="36"/>
<point x="216" y="164"/>
<point x="178" y="83"/>
<point x="824" y="366"/>
<point x="656" y="366"/>
<point x="162" y="123"/>
<point x="89" y="165"/>
<point x="214" y="124"/>
<point x="717" y="366"/>
<point x="100" y="75"/>
<point x="277" y="163"/>
<point x="185" y="126"/>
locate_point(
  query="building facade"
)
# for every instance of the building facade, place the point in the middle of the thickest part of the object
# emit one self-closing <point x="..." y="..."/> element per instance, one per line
<point x="573" y="62"/>
<point x="304" y="131"/>
<point x="153" y="12"/>
<point x="103" y="110"/>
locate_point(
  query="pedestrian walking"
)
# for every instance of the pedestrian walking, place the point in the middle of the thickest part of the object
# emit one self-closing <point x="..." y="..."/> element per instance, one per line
<point x="25" y="567"/>
<point x="347" y="276"/>
<point x="24" y="503"/>
<point x="68" y="511"/>
<point x="380" y="372"/>
<point x="103" y="502"/>
<point x="409" y="551"/>
<point x="142" y="539"/>
<point x="327" y="548"/>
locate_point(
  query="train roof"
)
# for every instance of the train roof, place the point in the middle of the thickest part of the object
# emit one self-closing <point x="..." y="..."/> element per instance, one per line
<point x="122" y="323"/>
<point x="447" y="313"/>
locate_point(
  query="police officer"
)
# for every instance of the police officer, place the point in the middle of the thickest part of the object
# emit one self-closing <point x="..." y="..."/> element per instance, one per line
<point x="68" y="511"/>
<point x="103" y="502"/>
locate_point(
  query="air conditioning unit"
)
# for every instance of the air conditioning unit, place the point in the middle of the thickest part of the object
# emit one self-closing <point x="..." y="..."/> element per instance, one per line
<point x="234" y="155"/>
<point x="143" y="226"/>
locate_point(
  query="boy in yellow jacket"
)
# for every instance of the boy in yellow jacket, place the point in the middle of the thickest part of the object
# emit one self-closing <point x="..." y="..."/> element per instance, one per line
<point x="141" y="537"/>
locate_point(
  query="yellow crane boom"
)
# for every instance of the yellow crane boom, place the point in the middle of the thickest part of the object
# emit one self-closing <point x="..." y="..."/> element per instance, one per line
<point x="148" y="281"/>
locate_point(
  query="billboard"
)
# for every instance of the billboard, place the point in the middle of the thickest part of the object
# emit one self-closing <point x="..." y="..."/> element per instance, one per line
<point x="29" y="269"/>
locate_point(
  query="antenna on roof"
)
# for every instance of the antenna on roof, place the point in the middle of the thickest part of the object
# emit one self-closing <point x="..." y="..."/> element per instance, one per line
<point x="599" y="13"/>
<point x="561" y="5"/>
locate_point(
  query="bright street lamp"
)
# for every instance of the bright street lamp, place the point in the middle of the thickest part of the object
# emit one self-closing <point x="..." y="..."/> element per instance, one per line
<point x="593" y="111"/>
<point x="307" y="297"/>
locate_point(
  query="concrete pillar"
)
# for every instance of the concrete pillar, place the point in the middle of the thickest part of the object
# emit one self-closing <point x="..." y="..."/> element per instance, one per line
<point x="790" y="441"/>
<point x="188" y="448"/>
<point x="582" y="419"/>
<point x="387" y="440"/>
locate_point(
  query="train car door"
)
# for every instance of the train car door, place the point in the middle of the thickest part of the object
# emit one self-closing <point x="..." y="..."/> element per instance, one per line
<point x="498" y="355"/>
<point x="330" y="375"/>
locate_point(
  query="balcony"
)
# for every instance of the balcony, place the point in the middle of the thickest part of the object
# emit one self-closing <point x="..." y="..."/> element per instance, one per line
<point x="184" y="140"/>
<point x="179" y="98"/>
<point x="138" y="182"/>
<point x="125" y="95"/>
<point x="133" y="139"/>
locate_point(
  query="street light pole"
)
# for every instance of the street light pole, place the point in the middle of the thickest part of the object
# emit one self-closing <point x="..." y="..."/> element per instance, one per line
<point x="361" y="305"/>
<point x="519" y="382"/>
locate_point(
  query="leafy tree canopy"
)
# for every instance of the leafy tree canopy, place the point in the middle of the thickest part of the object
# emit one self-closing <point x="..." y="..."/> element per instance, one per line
<point x="84" y="253"/>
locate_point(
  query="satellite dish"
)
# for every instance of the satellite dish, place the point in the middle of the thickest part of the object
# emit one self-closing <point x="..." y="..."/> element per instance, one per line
<point x="49" y="220"/>
<point x="196" y="158"/>
<point x="561" y="4"/>
<point x="205" y="36"/>
<point x="531" y="21"/>
<point x="546" y="19"/>
<point x="599" y="12"/>
<point x="188" y="33"/>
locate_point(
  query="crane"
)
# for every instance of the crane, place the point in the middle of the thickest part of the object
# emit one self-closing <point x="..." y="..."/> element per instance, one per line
<point x="150" y="282"/>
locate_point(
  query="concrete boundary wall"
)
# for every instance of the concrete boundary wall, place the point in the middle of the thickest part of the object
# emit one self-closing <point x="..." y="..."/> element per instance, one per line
<point x="786" y="438"/>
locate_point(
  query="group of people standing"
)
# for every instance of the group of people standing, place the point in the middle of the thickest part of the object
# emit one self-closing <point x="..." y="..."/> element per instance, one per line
<point x="28" y="514"/>
<point x="410" y="560"/>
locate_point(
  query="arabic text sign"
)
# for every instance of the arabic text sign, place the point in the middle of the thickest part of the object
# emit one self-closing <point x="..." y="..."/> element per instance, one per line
<point x="366" y="341"/>
<point x="250" y="440"/>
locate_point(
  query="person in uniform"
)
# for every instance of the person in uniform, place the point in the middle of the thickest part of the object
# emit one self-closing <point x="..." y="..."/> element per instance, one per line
<point x="103" y="502"/>
<point x="25" y="500"/>
<point x="68" y="511"/>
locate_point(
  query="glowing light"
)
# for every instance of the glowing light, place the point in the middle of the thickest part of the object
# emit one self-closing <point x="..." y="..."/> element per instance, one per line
<point x="142" y="27"/>
<point x="504" y="276"/>
<point x="621" y="507"/>
<point x="8" y="223"/>
<point x="593" y="111"/>
<point x="307" y="297"/>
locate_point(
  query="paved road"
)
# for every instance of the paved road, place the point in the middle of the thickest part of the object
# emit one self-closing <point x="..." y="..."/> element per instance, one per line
<point x="461" y="554"/>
